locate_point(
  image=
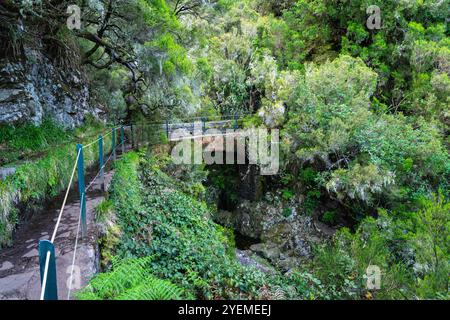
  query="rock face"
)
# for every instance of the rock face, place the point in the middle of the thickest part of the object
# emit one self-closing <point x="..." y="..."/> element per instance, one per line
<point x="286" y="235"/>
<point x="249" y="259"/>
<point x="33" y="86"/>
<point x="5" y="172"/>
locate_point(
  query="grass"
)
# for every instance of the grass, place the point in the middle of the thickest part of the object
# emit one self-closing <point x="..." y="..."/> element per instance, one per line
<point x="48" y="173"/>
<point x="29" y="140"/>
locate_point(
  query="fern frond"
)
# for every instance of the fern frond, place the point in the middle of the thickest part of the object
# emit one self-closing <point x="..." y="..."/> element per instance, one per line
<point x="130" y="279"/>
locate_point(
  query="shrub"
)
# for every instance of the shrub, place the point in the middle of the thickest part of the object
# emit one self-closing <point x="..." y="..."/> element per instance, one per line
<point x="330" y="217"/>
<point x="161" y="222"/>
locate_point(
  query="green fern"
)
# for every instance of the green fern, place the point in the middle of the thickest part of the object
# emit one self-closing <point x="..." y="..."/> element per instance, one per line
<point x="153" y="289"/>
<point x="130" y="279"/>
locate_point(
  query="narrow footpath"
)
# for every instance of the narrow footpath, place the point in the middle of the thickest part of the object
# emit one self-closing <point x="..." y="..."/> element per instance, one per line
<point x="19" y="264"/>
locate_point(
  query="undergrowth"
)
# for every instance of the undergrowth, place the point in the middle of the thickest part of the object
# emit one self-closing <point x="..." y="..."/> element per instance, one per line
<point x="24" y="141"/>
<point x="131" y="279"/>
<point x="175" y="229"/>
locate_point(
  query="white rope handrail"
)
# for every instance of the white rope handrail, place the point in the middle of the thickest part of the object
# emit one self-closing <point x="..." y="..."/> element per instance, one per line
<point x="55" y="231"/>
<point x="107" y="134"/>
<point x="75" y="250"/>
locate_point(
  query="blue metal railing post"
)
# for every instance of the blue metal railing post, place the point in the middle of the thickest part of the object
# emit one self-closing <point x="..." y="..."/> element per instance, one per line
<point x="114" y="143"/>
<point x="101" y="162"/>
<point x="51" y="287"/>
<point x="82" y="190"/>
<point x="167" y="129"/>
<point x="122" y="138"/>
<point x="236" y="126"/>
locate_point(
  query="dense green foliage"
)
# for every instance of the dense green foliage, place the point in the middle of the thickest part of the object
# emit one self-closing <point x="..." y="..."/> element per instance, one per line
<point x="27" y="140"/>
<point x="364" y="118"/>
<point x="156" y="220"/>
<point x="363" y="157"/>
<point x="408" y="51"/>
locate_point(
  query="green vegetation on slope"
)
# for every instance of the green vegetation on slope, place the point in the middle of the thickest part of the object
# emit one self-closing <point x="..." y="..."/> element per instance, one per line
<point x="148" y="218"/>
<point x="412" y="250"/>
<point x="25" y="141"/>
<point x="175" y="232"/>
<point x="130" y="280"/>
